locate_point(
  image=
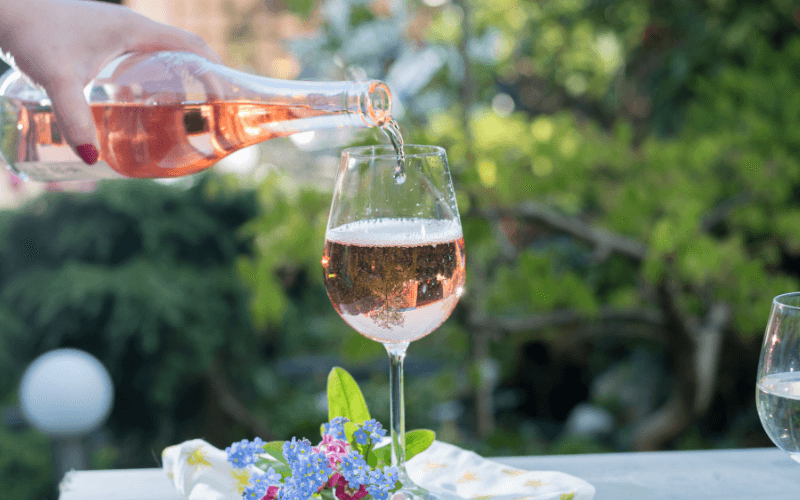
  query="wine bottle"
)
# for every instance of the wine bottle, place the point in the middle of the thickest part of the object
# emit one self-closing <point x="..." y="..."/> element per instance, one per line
<point x="168" y="114"/>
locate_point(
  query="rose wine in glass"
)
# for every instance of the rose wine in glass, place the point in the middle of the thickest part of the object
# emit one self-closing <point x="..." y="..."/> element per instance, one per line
<point x="393" y="262"/>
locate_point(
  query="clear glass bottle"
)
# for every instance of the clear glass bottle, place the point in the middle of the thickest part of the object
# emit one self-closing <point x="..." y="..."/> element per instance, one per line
<point x="168" y="114"/>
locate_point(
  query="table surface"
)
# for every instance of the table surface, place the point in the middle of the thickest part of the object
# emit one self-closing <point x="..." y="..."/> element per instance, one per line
<point x="751" y="474"/>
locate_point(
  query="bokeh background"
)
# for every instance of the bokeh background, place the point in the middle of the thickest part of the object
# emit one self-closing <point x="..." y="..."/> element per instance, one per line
<point x="628" y="179"/>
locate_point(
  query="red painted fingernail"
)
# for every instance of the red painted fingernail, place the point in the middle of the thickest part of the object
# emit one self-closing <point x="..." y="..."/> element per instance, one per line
<point x="88" y="153"/>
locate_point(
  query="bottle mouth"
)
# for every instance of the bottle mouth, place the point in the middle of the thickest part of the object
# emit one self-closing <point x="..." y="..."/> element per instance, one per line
<point x="376" y="104"/>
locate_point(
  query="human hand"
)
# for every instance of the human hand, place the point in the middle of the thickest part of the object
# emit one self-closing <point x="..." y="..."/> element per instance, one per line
<point x="63" y="44"/>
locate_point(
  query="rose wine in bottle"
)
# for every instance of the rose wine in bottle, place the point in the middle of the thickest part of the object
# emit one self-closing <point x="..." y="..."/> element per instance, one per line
<point x="168" y="114"/>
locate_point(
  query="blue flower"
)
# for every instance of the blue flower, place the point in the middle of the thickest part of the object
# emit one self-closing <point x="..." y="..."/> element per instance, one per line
<point x="254" y="492"/>
<point x="355" y="469"/>
<point x="310" y="470"/>
<point x="390" y="474"/>
<point x="289" y="490"/>
<point x="293" y="450"/>
<point x="257" y="445"/>
<point x="272" y="477"/>
<point x="314" y="469"/>
<point x="375" y="476"/>
<point x="370" y="425"/>
<point x="236" y="455"/>
<point x="381" y="482"/>
<point x="374" y="429"/>
<point x="244" y="453"/>
<point x="378" y="494"/>
<point x="336" y="427"/>
<point x="297" y="488"/>
<point x="361" y="436"/>
<point x="263" y="480"/>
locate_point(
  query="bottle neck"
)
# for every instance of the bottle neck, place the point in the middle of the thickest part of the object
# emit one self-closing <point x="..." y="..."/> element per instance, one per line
<point x="372" y="101"/>
<point x="180" y="77"/>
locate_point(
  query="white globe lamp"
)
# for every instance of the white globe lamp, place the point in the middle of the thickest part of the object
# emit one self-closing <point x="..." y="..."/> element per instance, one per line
<point x="66" y="394"/>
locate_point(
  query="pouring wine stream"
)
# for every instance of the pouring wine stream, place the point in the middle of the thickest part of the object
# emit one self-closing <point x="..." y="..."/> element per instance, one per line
<point x="392" y="131"/>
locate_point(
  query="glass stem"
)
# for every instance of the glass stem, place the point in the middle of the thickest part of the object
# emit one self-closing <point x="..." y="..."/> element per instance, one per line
<point x="397" y="354"/>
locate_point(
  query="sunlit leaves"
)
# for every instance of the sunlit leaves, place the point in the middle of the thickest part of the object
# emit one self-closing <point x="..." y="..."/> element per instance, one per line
<point x="487" y="171"/>
<point x="491" y="131"/>
<point x="538" y="283"/>
<point x="446" y="26"/>
<point x="289" y="234"/>
<point x="731" y="161"/>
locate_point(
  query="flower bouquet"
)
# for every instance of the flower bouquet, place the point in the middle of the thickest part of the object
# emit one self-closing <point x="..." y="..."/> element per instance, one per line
<point x="351" y="462"/>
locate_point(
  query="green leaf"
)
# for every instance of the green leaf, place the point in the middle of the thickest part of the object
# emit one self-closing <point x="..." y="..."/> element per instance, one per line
<point x="283" y="470"/>
<point x="372" y="460"/>
<point x="275" y="449"/>
<point x="378" y="456"/>
<point x="345" y="398"/>
<point x="349" y="429"/>
<point x="418" y="441"/>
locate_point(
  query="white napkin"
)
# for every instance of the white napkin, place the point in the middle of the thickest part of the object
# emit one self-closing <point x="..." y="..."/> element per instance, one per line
<point x="202" y="472"/>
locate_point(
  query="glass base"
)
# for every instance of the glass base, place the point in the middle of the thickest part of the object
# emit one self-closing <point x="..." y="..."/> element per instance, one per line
<point x="411" y="491"/>
<point x="416" y="493"/>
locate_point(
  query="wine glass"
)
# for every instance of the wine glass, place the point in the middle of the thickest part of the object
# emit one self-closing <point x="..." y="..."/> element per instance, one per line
<point x="393" y="262"/>
<point x="778" y="382"/>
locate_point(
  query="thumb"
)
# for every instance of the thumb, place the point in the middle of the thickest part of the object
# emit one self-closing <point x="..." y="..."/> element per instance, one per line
<point x="75" y="120"/>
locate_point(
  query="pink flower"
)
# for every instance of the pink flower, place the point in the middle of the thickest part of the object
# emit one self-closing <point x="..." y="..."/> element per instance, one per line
<point x="333" y="448"/>
<point x="333" y="480"/>
<point x="344" y="492"/>
<point x="272" y="493"/>
<point x="333" y="444"/>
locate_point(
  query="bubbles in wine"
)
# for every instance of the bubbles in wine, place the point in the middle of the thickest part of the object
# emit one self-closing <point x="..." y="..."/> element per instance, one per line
<point x="387" y="232"/>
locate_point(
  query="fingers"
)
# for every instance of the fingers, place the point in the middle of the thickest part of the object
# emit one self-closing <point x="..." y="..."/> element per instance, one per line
<point x="75" y="120"/>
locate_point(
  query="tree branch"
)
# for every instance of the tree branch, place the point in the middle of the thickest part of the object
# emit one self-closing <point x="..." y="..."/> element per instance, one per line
<point x="723" y="210"/>
<point x="604" y="241"/>
<point x="484" y="401"/>
<point x="516" y="324"/>
<point x="696" y="353"/>
<point x="695" y="349"/>
<point x="667" y="422"/>
<point x="708" y="349"/>
<point x="223" y="391"/>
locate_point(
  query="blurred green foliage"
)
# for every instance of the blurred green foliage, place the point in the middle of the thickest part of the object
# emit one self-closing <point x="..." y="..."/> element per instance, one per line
<point x="733" y="146"/>
<point x="141" y="276"/>
<point x="25" y="464"/>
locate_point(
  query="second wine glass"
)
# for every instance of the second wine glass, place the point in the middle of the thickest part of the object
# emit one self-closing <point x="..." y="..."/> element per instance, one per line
<point x="778" y="381"/>
<point x="393" y="262"/>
